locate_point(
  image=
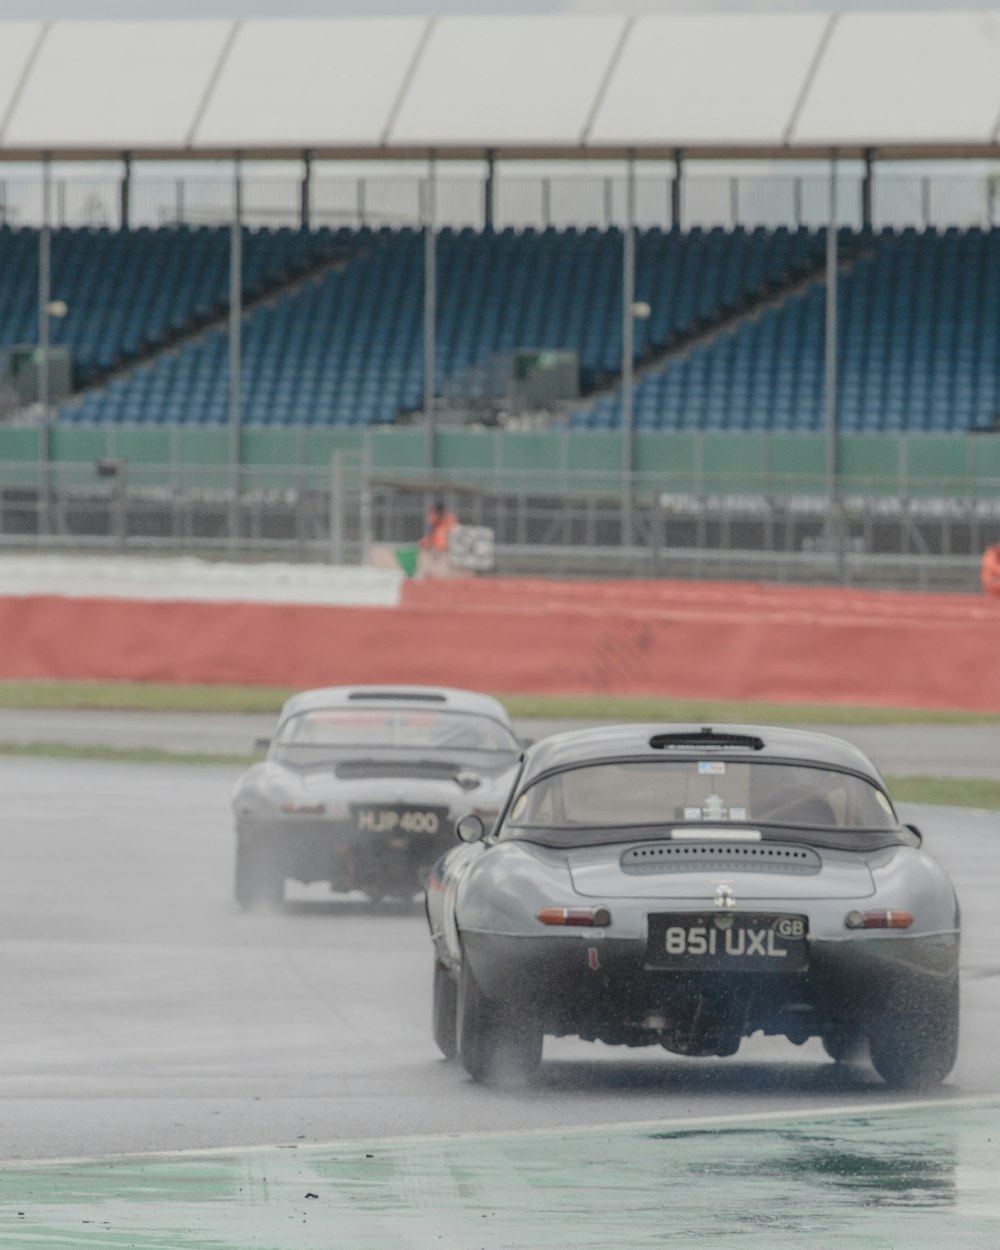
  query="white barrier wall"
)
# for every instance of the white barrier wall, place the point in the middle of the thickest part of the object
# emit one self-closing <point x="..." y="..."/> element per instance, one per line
<point x="193" y="580"/>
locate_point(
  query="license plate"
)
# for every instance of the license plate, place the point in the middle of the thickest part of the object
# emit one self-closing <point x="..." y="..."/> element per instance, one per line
<point x="728" y="941"/>
<point x="411" y="821"/>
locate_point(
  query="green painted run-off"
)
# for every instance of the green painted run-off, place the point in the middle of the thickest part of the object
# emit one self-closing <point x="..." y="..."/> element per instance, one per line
<point x="917" y="1179"/>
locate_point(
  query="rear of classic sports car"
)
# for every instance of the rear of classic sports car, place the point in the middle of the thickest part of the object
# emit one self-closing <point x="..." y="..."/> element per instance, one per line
<point x="373" y="826"/>
<point x="693" y="935"/>
<point x="362" y="787"/>
<point x="703" y="951"/>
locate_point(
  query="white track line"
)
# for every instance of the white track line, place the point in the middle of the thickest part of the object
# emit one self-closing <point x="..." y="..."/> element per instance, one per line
<point x="691" y="1124"/>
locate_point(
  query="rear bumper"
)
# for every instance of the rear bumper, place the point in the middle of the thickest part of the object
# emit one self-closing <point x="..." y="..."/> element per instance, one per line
<point x="309" y="850"/>
<point x="598" y="986"/>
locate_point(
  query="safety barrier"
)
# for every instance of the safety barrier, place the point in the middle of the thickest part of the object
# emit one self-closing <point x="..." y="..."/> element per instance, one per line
<point x="689" y="640"/>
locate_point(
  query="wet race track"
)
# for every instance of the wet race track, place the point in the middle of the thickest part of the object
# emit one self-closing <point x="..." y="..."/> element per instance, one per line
<point x="146" y="1014"/>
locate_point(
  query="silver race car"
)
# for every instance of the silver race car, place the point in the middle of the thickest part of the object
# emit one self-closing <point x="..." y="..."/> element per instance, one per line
<point x="362" y="786"/>
<point x="687" y="887"/>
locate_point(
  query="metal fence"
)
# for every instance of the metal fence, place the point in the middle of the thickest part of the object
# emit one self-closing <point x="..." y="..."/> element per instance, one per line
<point x="519" y="200"/>
<point x="584" y="523"/>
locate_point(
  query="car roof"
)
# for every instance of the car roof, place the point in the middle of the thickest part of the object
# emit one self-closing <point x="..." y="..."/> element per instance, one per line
<point x="694" y="741"/>
<point x="442" y="697"/>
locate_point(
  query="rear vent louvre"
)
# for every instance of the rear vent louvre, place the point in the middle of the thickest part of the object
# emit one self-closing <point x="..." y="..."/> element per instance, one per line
<point x="397" y="696"/>
<point x="707" y="740"/>
<point x="701" y="856"/>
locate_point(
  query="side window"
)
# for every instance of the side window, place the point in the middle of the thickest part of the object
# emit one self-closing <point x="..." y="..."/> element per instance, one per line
<point x="540" y="804"/>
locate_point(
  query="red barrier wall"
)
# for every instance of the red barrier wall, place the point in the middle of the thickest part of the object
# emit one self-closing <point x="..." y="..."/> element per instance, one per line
<point x="683" y="639"/>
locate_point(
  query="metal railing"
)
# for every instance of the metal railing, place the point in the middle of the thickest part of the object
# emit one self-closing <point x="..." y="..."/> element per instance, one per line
<point x="544" y="522"/>
<point x="520" y="200"/>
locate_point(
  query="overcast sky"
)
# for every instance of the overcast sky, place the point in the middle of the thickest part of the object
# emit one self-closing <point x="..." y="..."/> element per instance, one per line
<point x="343" y="8"/>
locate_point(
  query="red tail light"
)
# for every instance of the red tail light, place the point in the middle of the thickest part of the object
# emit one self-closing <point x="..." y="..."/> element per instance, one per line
<point x="582" y="917"/>
<point x="878" y="919"/>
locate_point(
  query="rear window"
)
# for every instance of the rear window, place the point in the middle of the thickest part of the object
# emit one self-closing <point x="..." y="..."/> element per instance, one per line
<point x="691" y="792"/>
<point x="391" y="728"/>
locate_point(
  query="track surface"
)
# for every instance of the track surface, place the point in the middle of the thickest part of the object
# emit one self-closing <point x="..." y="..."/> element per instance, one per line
<point x="145" y="1013"/>
<point x="932" y="750"/>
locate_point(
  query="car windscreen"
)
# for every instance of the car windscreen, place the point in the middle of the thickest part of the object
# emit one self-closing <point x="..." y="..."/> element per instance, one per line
<point x="337" y="731"/>
<point x="631" y="794"/>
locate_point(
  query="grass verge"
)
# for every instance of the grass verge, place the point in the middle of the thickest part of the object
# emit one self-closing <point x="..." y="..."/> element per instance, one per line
<point x="938" y="791"/>
<point x="611" y="707"/>
<point x="946" y="791"/>
<point x="153" y="697"/>
<point x="127" y="696"/>
<point x="122" y="755"/>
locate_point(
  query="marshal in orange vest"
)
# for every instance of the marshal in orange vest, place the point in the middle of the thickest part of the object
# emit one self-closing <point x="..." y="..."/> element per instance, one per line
<point x="989" y="572"/>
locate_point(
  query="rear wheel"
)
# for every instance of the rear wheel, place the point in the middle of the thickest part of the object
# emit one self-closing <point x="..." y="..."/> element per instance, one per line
<point x="445" y="1007"/>
<point x="915" y="1047"/>
<point x="256" y="881"/>
<point x="844" y="1044"/>
<point x="496" y="1040"/>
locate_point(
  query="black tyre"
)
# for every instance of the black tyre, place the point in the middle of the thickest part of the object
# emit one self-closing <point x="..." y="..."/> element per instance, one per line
<point x="914" y="1046"/>
<point x="497" y="1041"/>
<point x="256" y="881"/>
<point x="844" y="1044"/>
<point x="445" y="1007"/>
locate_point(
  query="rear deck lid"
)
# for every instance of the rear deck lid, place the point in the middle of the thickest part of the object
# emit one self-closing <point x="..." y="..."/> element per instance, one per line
<point x="693" y="868"/>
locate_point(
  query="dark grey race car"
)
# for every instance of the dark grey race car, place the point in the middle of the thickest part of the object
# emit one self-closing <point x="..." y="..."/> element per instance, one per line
<point x="362" y="787"/>
<point x="687" y="887"/>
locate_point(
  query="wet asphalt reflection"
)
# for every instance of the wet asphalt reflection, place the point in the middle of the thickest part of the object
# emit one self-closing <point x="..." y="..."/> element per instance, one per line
<point x="146" y="1014"/>
<point x="919" y="1178"/>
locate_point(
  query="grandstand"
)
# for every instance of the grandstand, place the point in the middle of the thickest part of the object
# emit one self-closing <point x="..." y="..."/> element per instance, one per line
<point x="289" y="343"/>
<point x="919" y="350"/>
<point x="346" y="348"/>
<point x="130" y="293"/>
<point x="919" y="326"/>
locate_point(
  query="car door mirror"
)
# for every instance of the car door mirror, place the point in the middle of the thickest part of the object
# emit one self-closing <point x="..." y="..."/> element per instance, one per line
<point x="470" y="828"/>
<point x="916" y="833"/>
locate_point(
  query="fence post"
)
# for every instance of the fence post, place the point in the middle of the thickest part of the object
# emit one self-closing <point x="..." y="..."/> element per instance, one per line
<point x="489" y="190"/>
<point x="120" y="487"/>
<point x="835" y="529"/>
<point x="46" y="519"/>
<point x="365" y="509"/>
<point x="305" y="192"/>
<point x="235" y="345"/>
<point x="676" y="191"/>
<point x="867" y="183"/>
<point x="628" y="353"/>
<point x="362" y="189"/>
<point x="337" y="508"/>
<point x="655" y="532"/>
<point x="125" y="193"/>
<point x="430" y="307"/>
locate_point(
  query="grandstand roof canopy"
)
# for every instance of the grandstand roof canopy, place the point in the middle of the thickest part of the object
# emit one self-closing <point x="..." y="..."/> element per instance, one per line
<point x="905" y="84"/>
